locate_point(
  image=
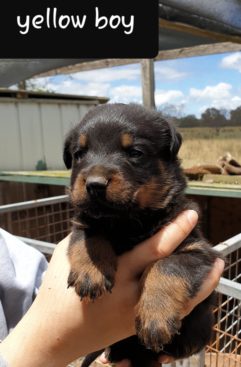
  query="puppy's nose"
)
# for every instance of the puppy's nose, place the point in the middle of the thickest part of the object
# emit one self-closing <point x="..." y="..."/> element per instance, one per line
<point x="96" y="185"/>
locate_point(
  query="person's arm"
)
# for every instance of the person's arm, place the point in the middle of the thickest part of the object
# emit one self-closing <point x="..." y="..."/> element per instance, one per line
<point x="58" y="328"/>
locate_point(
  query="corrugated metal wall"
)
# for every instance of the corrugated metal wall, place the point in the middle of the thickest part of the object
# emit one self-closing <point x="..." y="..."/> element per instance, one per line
<point x="34" y="129"/>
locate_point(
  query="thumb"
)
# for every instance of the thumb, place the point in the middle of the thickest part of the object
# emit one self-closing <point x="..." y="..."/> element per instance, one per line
<point x="162" y="244"/>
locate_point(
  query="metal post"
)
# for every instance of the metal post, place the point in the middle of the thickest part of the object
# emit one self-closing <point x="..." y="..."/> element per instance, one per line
<point x="148" y="83"/>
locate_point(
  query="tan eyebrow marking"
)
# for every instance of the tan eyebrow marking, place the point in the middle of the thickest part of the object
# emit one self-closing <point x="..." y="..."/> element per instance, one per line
<point x="83" y="140"/>
<point x="126" y="140"/>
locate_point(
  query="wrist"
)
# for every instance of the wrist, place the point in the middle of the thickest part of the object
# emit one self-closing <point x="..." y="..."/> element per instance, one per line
<point x="28" y="346"/>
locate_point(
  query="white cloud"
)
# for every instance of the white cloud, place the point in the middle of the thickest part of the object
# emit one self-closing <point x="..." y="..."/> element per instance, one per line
<point x="228" y="104"/>
<point x="219" y="96"/>
<point x="165" y="72"/>
<point x="121" y="93"/>
<point x="70" y="86"/>
<point x="126" y="93"/>
<point x="219" y="91"/>
<point x="110" y="74"/>
<point x="129" y="93"/>
<point x="232" y="61"/>
<point x="168" y="96"/>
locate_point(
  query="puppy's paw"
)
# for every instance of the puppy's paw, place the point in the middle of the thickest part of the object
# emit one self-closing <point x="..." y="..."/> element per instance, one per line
<point x="93" y="265"/>
<point x="90" y="284"/>
<point x="156" y="329"/>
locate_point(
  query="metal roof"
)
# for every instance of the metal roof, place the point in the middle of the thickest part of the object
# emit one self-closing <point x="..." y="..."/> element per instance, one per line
<point x="183" y="23"/>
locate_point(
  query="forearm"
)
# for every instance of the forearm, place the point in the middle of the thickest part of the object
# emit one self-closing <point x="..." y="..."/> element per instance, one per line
<point x="37" y="341"/>
<point x="25" y="347"/>
<point x="59" y="328"/>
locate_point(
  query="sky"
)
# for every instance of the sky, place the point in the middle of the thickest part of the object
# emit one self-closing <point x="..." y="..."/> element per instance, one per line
<point x="182" y="86"/>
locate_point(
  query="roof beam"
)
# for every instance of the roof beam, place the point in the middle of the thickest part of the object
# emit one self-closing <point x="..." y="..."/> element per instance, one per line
<point x="200" y="50"/>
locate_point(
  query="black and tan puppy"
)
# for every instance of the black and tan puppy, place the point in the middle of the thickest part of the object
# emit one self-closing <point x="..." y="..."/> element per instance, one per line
<point x="126" y="184"/>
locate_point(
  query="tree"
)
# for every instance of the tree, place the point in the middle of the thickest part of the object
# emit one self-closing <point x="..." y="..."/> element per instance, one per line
<point x="189" y="121"/>
<point x="213" y="117"/>
<point x="235" y="116"/>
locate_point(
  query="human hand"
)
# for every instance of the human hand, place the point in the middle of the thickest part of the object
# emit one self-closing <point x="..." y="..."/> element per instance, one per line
<point x="207" y="288"/>
<point x="58" y="327"/>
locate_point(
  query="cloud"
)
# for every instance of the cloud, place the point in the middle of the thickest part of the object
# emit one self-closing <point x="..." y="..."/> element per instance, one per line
<point x="126" y="93"/>
<point x="219" y="91"/>
<point x="129" y="72"/>
<point x="168" y="73"/>
<point x="168" y="96"/>
<point x="232" y="61"/>
<point x="70" y="86"/>
<point x="219" y="96"/>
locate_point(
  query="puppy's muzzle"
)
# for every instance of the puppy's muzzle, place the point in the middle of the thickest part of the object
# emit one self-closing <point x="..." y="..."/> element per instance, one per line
<point x="96" y="186"/>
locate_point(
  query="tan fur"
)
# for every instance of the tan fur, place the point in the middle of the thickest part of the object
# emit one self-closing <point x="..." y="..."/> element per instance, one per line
<point x="153" y="195"/>
<point x="78" y="192"/>
<point x="161" y="302"/>
<point x="83" y="140"/>
<point x="126" y="140"/>
<point x="118" y="189"/>
<point x="193" y="246"/>
<point x="94" y="267"/>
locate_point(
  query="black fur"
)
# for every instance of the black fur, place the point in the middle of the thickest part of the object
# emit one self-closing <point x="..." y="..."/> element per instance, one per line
<point x="143" y="191"/>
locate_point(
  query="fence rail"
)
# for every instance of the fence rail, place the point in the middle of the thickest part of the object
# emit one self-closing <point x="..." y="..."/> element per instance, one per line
<point x="33" y="204"/>
<point x="41" y="223"/>
<point x="47" y="220"/>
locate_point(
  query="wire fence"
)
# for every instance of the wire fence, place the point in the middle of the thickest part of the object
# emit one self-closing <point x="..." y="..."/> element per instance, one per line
<point x="44" y="219"/>
<point x="225" y="349"/>
<point x="42" y="223"/>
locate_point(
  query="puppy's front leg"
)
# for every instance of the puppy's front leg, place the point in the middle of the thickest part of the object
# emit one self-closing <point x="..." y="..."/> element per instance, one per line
<point x="93" y="265"/>
<point x="168" y="287"/>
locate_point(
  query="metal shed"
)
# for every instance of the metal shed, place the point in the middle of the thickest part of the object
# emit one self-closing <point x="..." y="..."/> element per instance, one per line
<point x="34" y="125"/>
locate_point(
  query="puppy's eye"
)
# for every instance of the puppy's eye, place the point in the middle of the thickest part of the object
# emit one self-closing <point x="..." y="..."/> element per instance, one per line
<point x="78" y="155"/>
<point x="134" y="153"/>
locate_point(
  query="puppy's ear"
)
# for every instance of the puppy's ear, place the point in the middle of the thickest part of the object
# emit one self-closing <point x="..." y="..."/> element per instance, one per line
<point x="176" y="140"/>
<point x="67" y="156"/>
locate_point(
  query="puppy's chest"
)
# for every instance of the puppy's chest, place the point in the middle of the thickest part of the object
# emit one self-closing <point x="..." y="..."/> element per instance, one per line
<point x="125" y="233"/>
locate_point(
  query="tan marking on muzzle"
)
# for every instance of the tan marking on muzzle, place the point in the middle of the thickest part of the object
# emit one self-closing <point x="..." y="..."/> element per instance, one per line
<point x="78" y="192"/>
<point x="118" y="190"/>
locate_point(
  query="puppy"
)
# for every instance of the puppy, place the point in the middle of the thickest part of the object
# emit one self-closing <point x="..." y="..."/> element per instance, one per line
<point x="126" y="184"/>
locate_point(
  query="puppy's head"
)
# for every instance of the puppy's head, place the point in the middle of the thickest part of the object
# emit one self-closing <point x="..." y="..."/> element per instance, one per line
<point x="123" y="156"/>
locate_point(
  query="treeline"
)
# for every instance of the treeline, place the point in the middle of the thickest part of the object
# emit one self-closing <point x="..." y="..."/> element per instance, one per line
<point x="212" y="117"/>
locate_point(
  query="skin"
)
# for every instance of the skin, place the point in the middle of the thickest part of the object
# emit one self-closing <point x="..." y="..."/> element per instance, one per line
<point x="58" y="327"/>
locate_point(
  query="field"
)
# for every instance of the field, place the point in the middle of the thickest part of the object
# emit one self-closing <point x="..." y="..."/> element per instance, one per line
<point x="206" y="145"/>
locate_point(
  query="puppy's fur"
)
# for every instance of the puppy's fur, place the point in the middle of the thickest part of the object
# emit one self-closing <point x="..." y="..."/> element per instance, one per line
<point x="126" y="184"/>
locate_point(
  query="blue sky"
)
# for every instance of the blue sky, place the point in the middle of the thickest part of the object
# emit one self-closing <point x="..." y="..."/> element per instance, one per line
<point x="185" y="86"/>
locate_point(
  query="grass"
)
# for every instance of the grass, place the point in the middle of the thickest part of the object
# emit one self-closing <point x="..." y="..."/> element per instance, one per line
<point x="206" y="145"/>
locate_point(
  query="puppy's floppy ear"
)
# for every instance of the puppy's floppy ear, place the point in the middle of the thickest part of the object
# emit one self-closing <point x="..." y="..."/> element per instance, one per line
<point x="176" y="140"/>
<point x="67" y="156"/>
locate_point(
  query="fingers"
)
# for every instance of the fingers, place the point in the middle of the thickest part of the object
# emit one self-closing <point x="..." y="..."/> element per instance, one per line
<point x="162" y="244"/>
<point x="165" y="359"/>
<point x="208" y="286"/>
<point x="103" y="360"/>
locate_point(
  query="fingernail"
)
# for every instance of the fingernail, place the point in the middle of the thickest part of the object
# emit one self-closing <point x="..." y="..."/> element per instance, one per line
<point x="165" y="359"/>
<point x="192" y="217"/>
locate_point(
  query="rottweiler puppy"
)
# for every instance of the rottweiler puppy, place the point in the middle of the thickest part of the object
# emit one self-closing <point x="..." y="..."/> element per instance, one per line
<point x="126" y="184"/>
